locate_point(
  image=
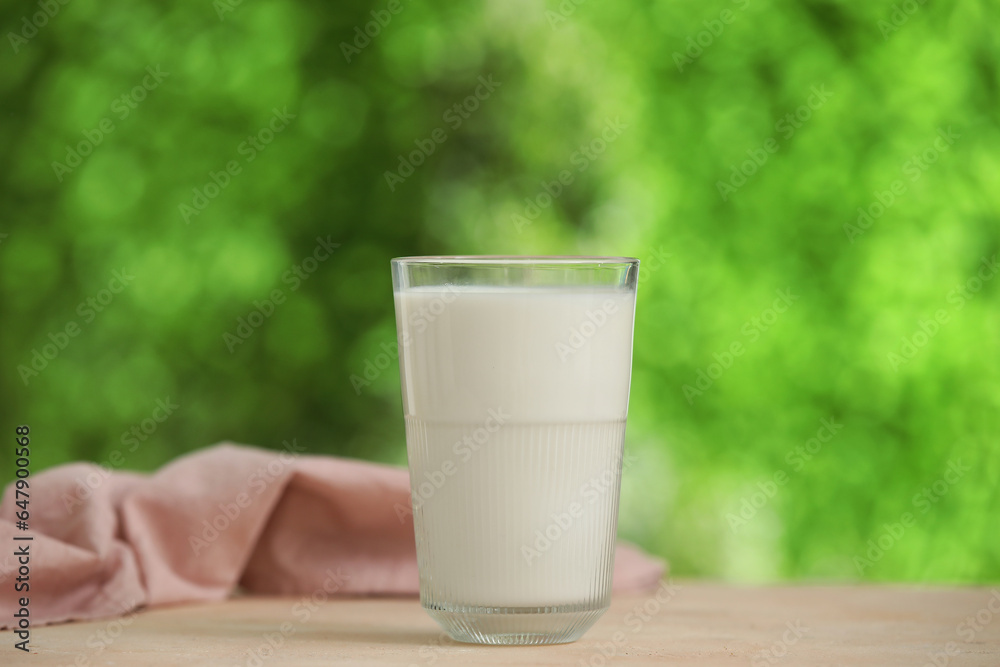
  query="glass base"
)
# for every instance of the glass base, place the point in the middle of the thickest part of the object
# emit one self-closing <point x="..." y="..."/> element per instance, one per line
<point x="516" y="625"/>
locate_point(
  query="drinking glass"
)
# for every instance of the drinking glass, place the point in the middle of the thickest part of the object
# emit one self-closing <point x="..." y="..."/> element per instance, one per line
<point x="515" y="380"/>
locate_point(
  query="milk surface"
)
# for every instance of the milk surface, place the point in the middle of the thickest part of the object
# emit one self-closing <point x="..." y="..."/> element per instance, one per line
<point x="515" y="402"/>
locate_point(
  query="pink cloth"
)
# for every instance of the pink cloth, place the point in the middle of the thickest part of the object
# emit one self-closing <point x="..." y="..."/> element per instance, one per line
<point x="226" y="516"/>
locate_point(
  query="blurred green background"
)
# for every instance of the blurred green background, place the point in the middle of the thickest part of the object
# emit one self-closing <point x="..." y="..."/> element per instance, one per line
<point x="826" y="107"/>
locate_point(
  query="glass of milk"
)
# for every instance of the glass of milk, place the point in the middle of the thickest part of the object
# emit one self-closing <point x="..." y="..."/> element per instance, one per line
<point x="515" y="380"/>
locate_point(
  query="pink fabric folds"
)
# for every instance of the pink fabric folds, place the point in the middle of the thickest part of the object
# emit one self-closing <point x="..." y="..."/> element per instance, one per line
<point x="106" y="542"/>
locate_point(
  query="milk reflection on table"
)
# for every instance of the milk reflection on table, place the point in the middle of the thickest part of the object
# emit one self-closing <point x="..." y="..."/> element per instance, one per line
<point x="515" y="402"/>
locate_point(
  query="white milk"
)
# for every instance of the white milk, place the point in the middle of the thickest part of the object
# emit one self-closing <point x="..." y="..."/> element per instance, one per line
<point x="515" y="402"/>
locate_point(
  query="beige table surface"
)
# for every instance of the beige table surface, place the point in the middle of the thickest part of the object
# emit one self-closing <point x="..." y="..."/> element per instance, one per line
<point x="699" y="624"/>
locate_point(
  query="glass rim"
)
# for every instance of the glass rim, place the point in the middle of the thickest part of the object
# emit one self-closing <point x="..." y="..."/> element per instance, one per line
<point x="516" y="260"/>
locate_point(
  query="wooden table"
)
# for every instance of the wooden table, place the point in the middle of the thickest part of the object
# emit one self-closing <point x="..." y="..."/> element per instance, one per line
<point x="690" y="623"/>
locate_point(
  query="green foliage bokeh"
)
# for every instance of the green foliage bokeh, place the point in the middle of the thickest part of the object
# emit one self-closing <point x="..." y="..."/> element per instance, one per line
<point x="699" y="89"/>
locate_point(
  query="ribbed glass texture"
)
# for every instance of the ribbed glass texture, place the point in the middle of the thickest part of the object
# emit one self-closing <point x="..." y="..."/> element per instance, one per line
<point x="524" y="528"/>
<point x="515" y="393"/>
